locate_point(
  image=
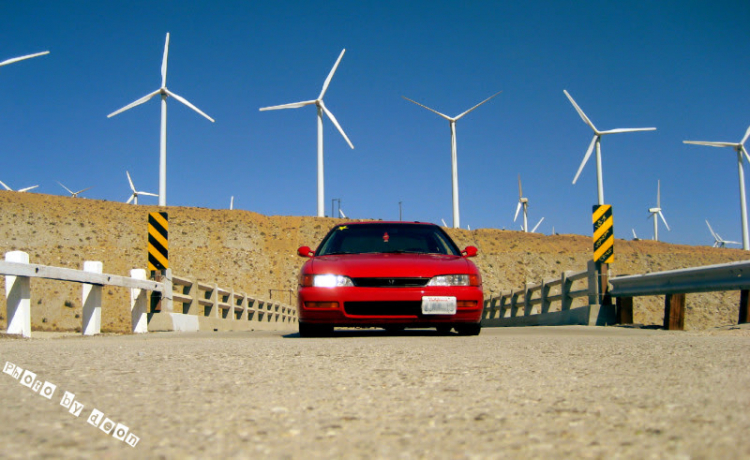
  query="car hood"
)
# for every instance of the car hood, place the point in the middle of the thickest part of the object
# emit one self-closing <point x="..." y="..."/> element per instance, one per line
<point x="392" y="265"/>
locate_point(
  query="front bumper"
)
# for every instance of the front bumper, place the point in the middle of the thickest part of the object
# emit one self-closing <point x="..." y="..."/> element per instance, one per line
<point x="375" y="307"/>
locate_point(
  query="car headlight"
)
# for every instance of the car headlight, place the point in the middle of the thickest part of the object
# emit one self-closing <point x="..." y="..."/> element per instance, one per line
<point x="331" y="281"/>
<point x="454" y="280"/>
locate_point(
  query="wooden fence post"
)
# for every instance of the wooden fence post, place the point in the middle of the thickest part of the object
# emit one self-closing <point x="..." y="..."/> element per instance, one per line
<point x="624" y="310"/>
<point x="565" y="285"/>
<point x="18" y="295"/>
<point x="92" y="301"/>
<point x="138" y="304"/>
<point x="674" y="312"/>
<point x="744" y="307"/>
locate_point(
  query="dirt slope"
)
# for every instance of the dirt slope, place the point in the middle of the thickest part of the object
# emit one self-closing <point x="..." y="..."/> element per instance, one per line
<point x="256" y="254"/>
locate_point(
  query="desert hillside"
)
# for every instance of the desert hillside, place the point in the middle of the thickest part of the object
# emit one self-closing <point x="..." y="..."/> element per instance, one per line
<point x="256" y="254"/>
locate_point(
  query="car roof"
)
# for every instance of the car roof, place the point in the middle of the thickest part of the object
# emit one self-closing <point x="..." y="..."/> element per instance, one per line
<point x="391" y="222"/>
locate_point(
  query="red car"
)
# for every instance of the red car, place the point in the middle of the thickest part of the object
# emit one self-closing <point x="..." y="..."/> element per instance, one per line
<point x="392" y="275"/>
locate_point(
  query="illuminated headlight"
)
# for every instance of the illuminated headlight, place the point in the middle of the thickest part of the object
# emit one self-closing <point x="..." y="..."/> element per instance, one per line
<point x="331" y="281"/>
<point x="450" y="280"/>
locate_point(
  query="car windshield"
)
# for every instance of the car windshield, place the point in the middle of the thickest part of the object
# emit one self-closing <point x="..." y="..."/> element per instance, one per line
<point x="387" y="238"/>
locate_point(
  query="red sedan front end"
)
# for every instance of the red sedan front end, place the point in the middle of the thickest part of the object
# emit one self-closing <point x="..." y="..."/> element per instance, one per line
<point x="392" y="275"/>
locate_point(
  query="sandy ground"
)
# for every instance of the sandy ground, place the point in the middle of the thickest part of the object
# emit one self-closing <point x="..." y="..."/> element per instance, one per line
<point x="256" y="254"/>
<point x="562" y="392"/>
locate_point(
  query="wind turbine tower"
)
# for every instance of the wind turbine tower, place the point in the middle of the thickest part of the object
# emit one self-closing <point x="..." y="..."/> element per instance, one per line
<point x="597" y="141"/>
<point x="454" y="160"/>
<point x="738" y="147"/>
<point x="164" y="93"/>
<point x="321" y="109"/>
<point x="656" y="212"/>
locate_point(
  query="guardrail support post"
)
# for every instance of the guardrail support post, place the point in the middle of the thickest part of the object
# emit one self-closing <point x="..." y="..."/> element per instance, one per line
<point x="565" y="285"/>
<point x="744" y="307"/>
<point x="624" y="310"/>
<point x="92" y="301"/>
<point x="138" y="304"/>
<point x="674" y="312"/>
<point x="18" y="296"/>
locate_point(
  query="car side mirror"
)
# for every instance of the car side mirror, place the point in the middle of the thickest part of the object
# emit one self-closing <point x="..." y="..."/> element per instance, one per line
<point x="305" y="251"/>
<point x="470" y="251"/>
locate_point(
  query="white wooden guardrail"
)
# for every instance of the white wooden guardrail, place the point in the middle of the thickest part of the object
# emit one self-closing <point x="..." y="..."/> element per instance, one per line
<point x="198" y="299"/>
<point x="532" y="304"/>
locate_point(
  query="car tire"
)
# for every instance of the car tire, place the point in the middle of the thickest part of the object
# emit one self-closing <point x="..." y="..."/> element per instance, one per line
<point x="314" y="330"/>
<point x="469" y="329"/>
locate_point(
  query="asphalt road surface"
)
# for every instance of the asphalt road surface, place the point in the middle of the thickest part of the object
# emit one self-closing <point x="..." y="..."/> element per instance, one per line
<point x="544" y="392"/>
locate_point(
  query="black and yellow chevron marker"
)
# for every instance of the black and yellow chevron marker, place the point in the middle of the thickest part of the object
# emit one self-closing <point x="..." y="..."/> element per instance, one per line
<point x="604" y="234"/>
<point x="158" y="241"/>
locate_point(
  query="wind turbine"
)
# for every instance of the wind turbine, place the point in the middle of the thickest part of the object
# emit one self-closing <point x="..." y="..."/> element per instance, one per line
<point x="72" y="193"/>
<point x="454" y="160"/>
<point x="19" y="191"/>
<point x="657" y="212"/>
<point x="719" y="242"/>
<point x="321" y="108"/>
<point x="164" y="93"/>
<point x="597" y="141"/>
<point x="740" y="149"/>
<point x="635" y="237"/>
<point x="343" y="216"/>
<point x="28" y="56"/>
<point x="134" y="196"/>
<point x="522" y="203"/>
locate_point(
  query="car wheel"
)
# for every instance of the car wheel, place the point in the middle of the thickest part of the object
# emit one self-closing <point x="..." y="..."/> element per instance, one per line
<point x="314" y="330"/>
<point x="469" y="329"/>
<point x="444" y="330"/>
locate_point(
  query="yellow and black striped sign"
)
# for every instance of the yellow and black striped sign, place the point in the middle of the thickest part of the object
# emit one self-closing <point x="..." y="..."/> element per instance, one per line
<point x="604" y="234"/>
<point x="158" y="241"/>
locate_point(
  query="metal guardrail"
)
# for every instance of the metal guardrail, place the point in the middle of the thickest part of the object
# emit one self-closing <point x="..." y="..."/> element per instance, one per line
<point x="733" y="276"/>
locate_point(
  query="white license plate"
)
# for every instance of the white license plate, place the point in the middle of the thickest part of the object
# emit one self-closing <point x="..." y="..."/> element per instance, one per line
<point x="438" y="305"/>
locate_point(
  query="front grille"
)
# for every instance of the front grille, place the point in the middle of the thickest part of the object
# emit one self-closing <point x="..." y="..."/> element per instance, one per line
<point x="390" y="282"/>
<point x="398" y="308"/>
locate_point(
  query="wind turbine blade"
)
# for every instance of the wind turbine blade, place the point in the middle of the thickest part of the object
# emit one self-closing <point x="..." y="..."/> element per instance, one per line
<point x="626" y="130"/>
<point x="585" y="158"/>
<point x="747" y="134"/>
<point x="444" y="224"/>
<point x="580" y="112"/>
<point x="431" y="110"/>
<point x="185" y="101"/>
<point x="28" y="56"/>
<point x="711" y="230"/>
<point x="330" y="74"/>
<point x="28" y="188"/>
<point x="658" y="194"/>
<point x="164" y="63"/>
<point x="634" y="235"/>
<point x="81" y="191"/>
<point x="664" y="220"/>
<point x="518" y="208"/>
<point x="130" y="199"/>
<point x="294" y="105"/>
<point x="745" y="152"/>
<point x="6" y="187"/>
<point x="459" y="117"/>
<point x="537" y="225"/>
<point x="131" y="181"/>
<point x="520" y="192"/>
<point x="66" y="188"/>
<point x="342" y="214"/>
<point x="336" y="123"/>
<point x="147" y="193"/>
<point x="140" y="101"/>
<point x="712" y="144"/>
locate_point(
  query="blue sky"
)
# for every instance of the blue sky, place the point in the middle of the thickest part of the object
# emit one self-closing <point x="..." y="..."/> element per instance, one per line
<point x="680" y="66"/>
